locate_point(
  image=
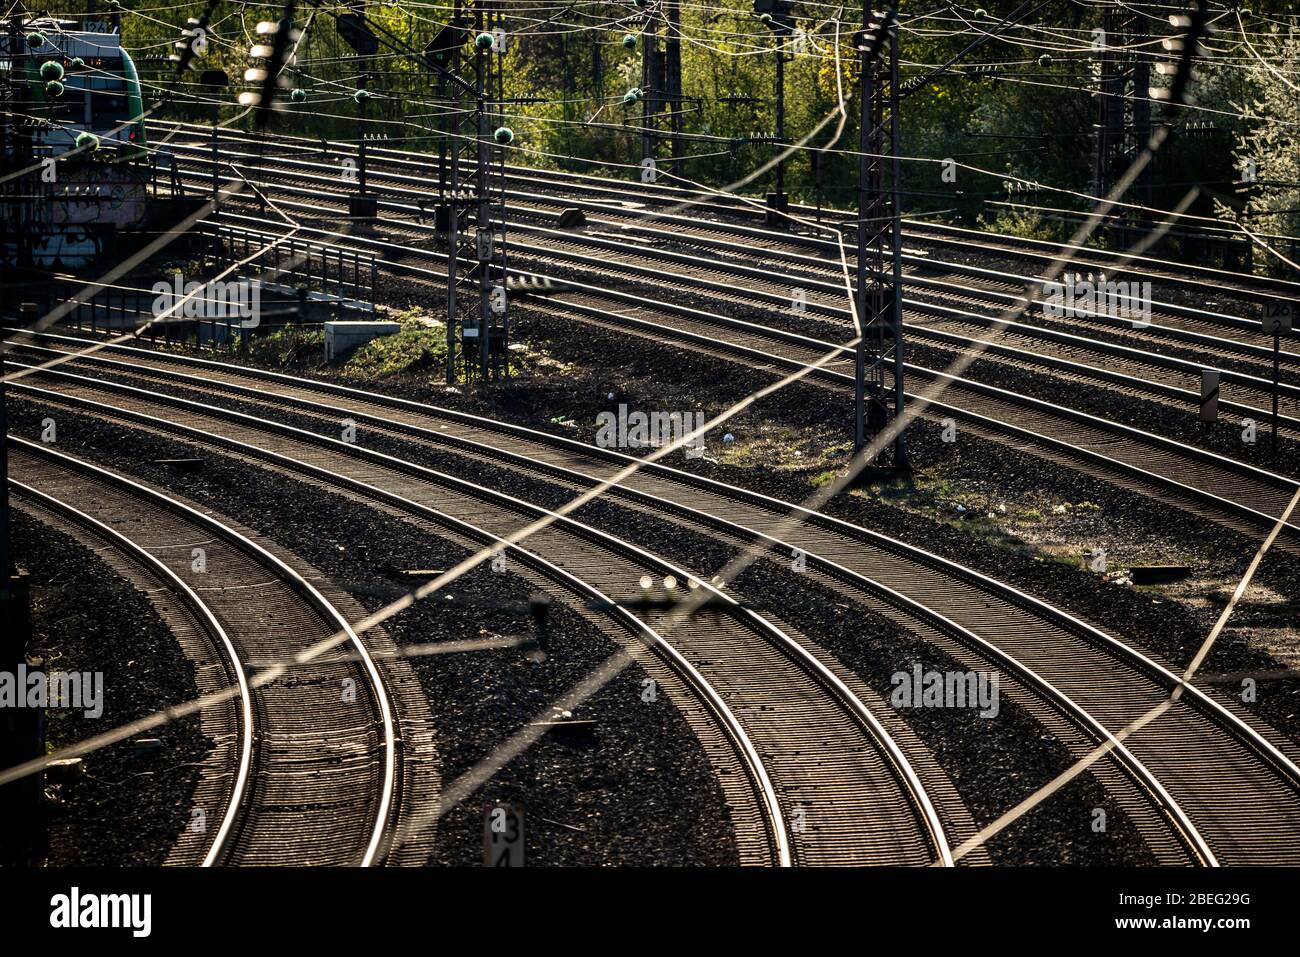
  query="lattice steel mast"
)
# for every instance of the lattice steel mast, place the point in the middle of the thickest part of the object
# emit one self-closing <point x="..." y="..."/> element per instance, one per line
<point x="1123" y="108"/>
<point x="472" y="190"/>
<point x="879" y="358"/>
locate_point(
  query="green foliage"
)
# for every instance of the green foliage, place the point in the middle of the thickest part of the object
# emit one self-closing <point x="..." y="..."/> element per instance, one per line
<point x="418" y="349"/>
<point x="568" y="100"/>
<point x="1268" y="142"/>
<point x="1025" y="225"/>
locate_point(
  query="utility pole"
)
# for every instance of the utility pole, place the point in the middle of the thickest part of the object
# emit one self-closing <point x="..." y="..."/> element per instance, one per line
<point x="778" y="203"/>
<point x="444" y="54"/>
<point x="484" y="223"/>
<point x="879" y="356"/>
<point x="22" y="730"/>
<point x="1123" y="108"/>
<point x="356" y="32"/>
<point x="779" y="17"/>
<point x="472" y="186"/>
<point x="673" y="82"/>
<point x="18" y="154"/>
<point x="651" y="88"/>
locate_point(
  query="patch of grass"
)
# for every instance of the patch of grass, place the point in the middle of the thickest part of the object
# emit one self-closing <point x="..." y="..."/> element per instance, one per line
<point x="780" y="449"/>
<point x="1025" y="225"/>
<point x="419" y="347"/>
<point x="289" y="348"/>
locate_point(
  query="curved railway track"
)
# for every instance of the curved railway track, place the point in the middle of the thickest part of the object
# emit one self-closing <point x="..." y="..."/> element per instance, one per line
<point x="315" y="780"/>
<point x="1184" y="330"/>
<point x="229" y="723"/>
<point x="1162" y="363"/>
<point x="750" y="251"/>
<point x="1130" y="370"/>
<point x="1235" y="494"/>
<point x="1063" y="661"/>
<point x="749" y="211"/>
<point x="803" y="736"/>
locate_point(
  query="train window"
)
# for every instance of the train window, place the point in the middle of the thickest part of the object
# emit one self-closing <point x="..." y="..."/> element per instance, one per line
<point x="108" y="100"/>
<point x="69" y="108"/>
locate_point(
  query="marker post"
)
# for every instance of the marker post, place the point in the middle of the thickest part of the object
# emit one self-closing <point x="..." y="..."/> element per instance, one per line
<point x="1277" y="320"/>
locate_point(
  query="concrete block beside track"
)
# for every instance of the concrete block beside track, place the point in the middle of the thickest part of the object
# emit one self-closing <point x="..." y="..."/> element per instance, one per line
<point x="342" y="335"/>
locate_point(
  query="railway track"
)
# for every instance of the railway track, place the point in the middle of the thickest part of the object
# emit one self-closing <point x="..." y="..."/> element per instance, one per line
<point x="1243" y="497"/>
<point x="802" y="737"/>
<point x="802" y="256"/>
<point x="731" y="210"/>
<point x="1128" y="369"/>
<point x="314" y="779"/>
<point x="1068" y="668"/>
<point x="1128" y="363"/>
<point x="228" y="723"/>
<point x="1191" y="336"/>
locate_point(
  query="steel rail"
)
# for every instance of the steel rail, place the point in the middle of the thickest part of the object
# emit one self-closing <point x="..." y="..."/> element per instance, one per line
<point x="815" y="348"/>
<point x="1187" y="274"/>
<point x="795" y="651"/>
<point x="296" y="583"/>
<point x="965" y="636"/>
<point x="218" y="637"/>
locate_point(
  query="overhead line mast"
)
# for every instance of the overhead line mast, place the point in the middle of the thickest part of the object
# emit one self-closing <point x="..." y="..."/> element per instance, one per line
<point x="878" y="394"/>
<point x="1123" y="106"/>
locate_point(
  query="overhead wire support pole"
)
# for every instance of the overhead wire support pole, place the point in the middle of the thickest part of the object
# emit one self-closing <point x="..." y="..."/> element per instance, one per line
<point x="673" y="82"/>
<point x="877" y="300"/>
<point x="778" y="41"/>
<point x="355" y="30"/>
<point x="481" y="198"/>
<point x="896" y="246"/>
<point x="779" y="18"/>
<point x="474" y="221"/>
<point x="16" y="150"/>
<point x="650" y="89"/>
<point x="1123" y="109"/>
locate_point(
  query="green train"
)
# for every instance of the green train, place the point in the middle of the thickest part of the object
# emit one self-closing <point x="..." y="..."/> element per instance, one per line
<point x="94" y="88"/>
<point x="69" y="83"/>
